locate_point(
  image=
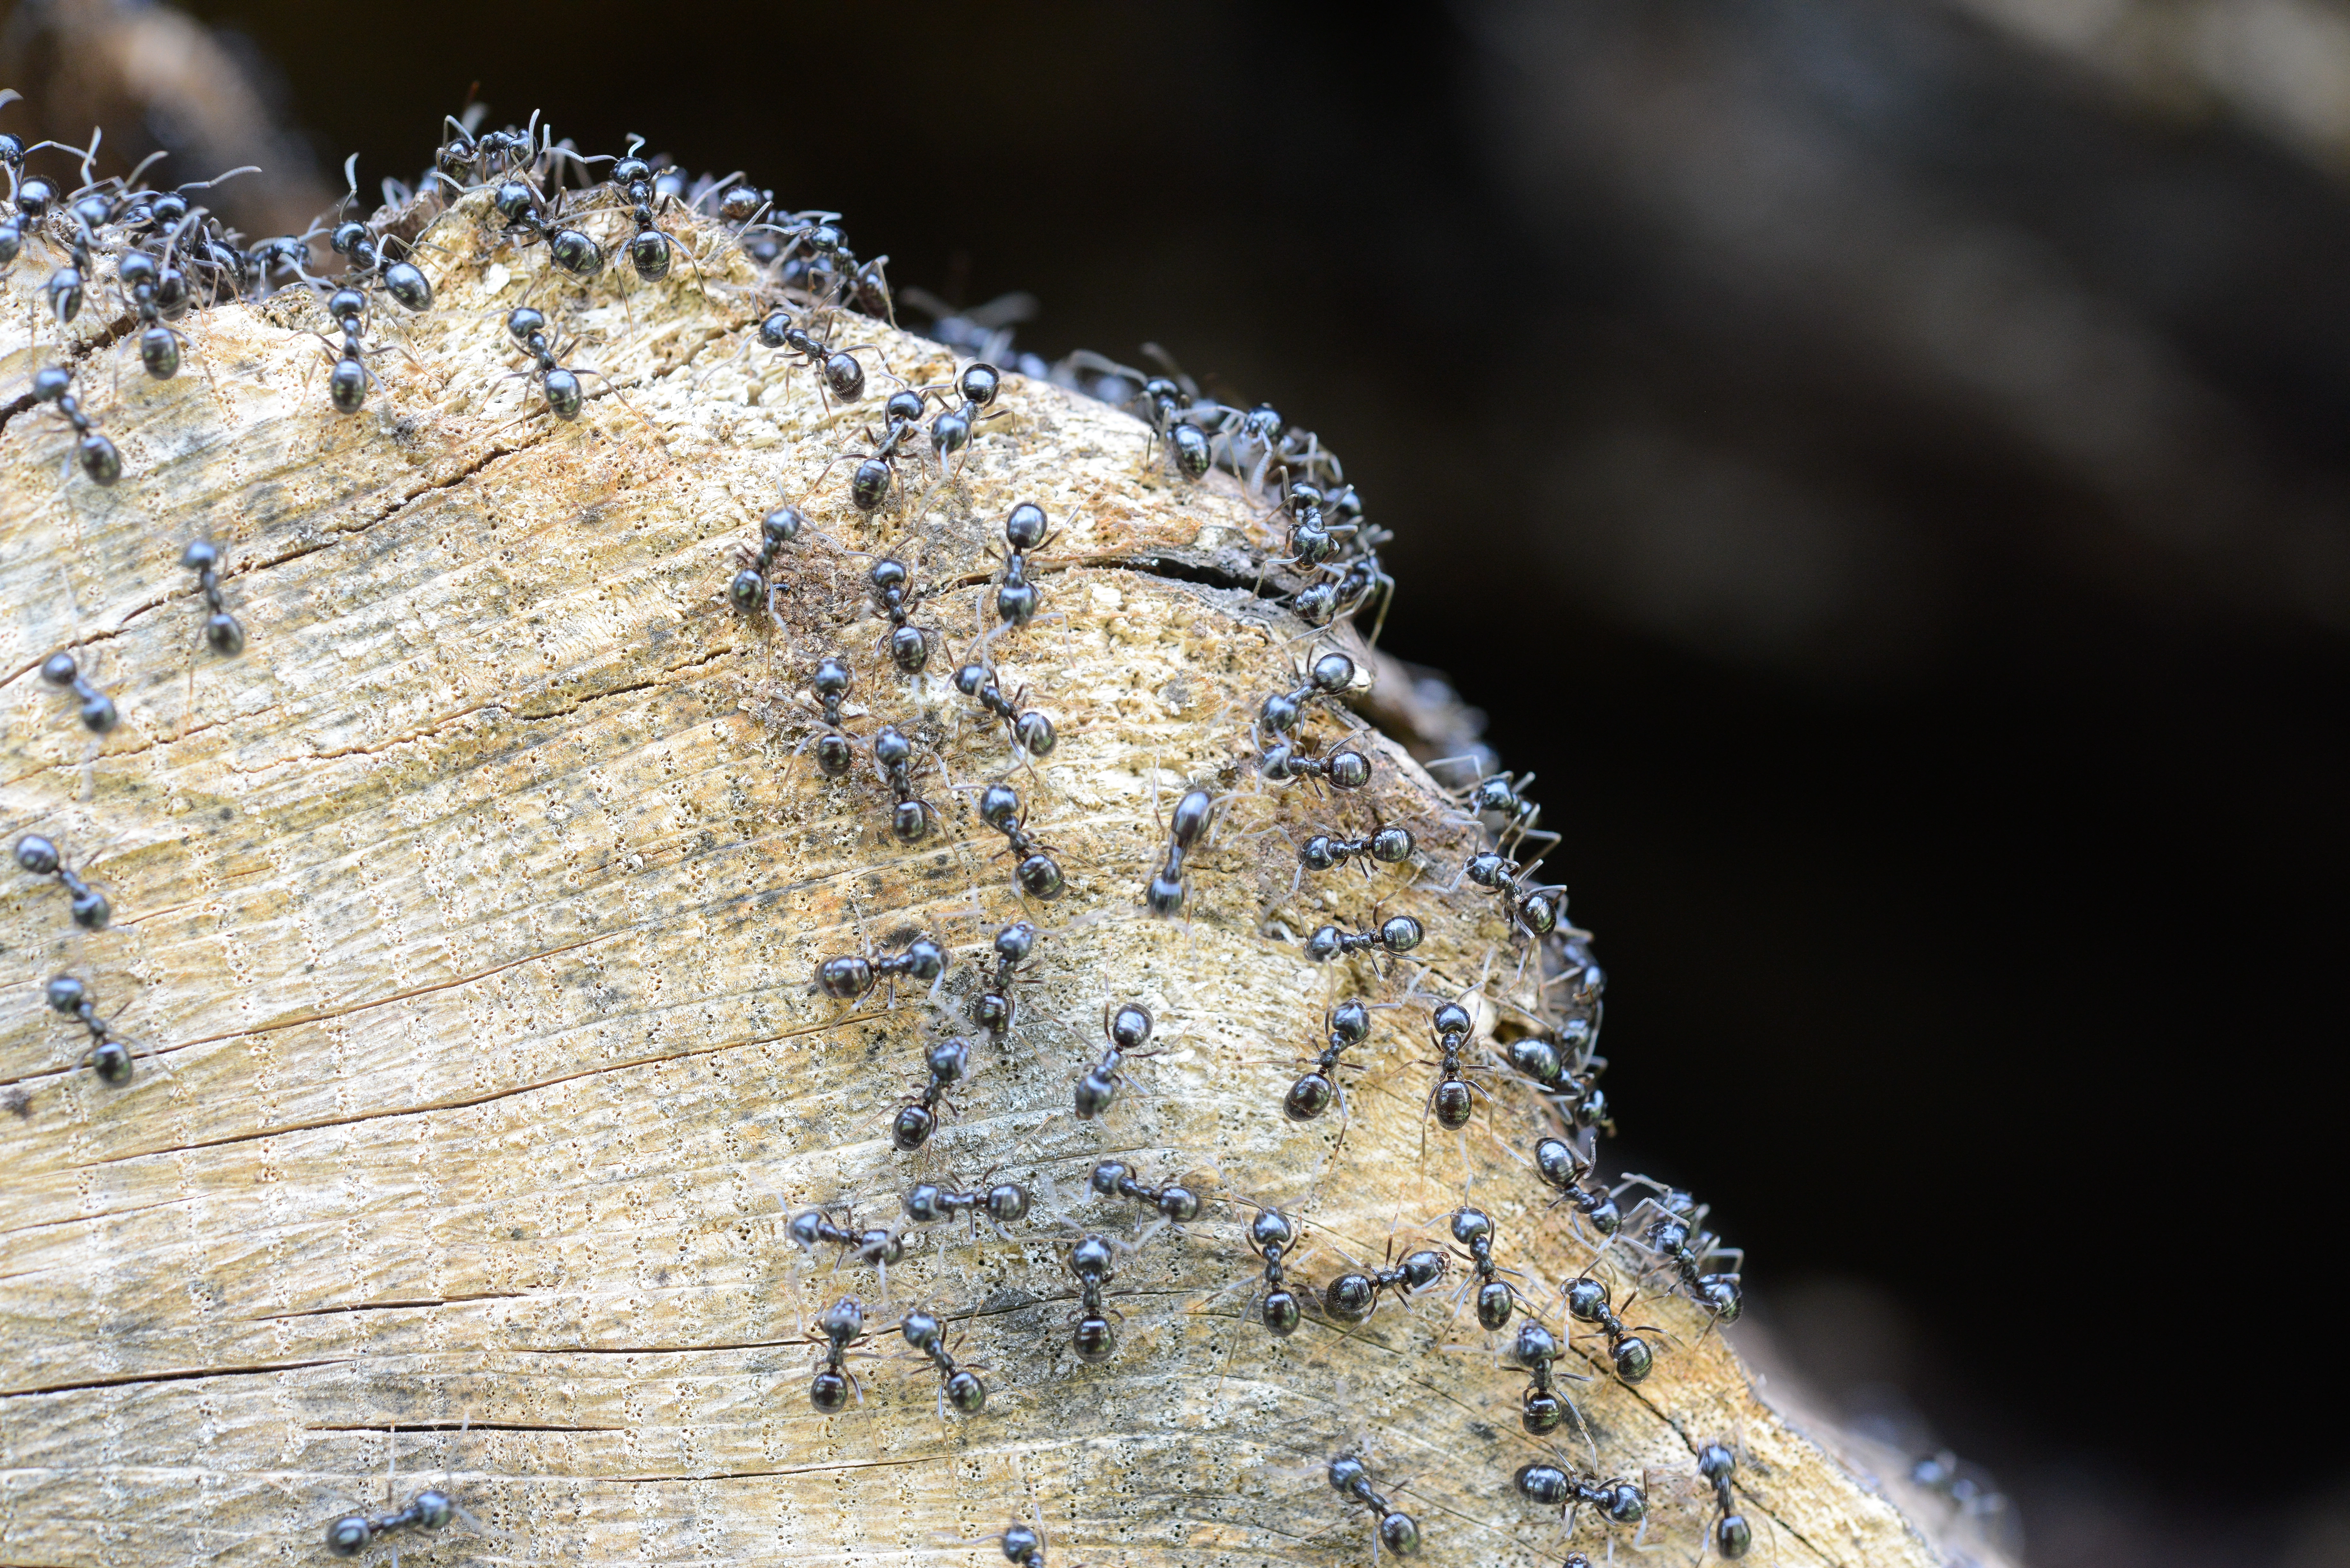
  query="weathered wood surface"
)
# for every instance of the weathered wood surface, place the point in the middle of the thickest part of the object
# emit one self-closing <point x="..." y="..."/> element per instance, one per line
<point x="471" y="917"/>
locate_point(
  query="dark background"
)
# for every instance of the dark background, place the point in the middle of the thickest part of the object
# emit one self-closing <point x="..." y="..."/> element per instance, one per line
<point x="1886" y="474"/>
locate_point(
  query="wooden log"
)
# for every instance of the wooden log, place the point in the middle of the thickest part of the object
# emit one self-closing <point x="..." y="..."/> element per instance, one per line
<point x="467" y="923"/>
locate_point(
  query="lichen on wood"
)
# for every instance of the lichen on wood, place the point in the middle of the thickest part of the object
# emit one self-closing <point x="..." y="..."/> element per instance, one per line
<point x="467" y="922"/>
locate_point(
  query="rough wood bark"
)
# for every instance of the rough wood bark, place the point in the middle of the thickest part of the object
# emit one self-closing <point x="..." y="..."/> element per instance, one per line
<point x="471" y="915"/>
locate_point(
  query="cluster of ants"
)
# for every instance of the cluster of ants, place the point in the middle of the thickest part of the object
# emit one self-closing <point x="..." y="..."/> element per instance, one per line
<point x="169" y="254"/>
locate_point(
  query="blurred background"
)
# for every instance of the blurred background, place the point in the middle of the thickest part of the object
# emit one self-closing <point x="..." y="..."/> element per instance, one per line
<point x="1882" y="462"/>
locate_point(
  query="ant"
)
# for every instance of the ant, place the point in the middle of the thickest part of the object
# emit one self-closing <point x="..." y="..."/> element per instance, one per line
<point x="1352" y="1297"/>
<point x="1731" y="1535"/>
<point x="1091" y="1260"/>
<point x="1550" y="1485"/>
<point x="951" y="432"/>
<point x="528" y="327"/>
<point x="98" y="710"/>
<point x="430" y="1508"/>
<point x="1270" y="1237"/>
<point x="1451" y="1095"/>
<point x="998" y="1007"/>
<point x="1587" y="1301"/>
<point x="1347" y="769"/>
<point x="1546" y="1061"/>
<point x="750" y="588"/>
<point x="404" y="281"/>
<point x="1541" y="1410"/>
<point x="843" y="1326"/>
<point x="909" y="645"/>
<point x="140" y="277"/>
<point x="89" y="908"/>
<point x="1037" y="873"/>
<point x="518" y="202"/>
<point x="1349" y="1477"/>
<point x="1677" y="1235"/>
<point x="1175" y="1204"/>
<point x="1331" y="674"/>
<point x="54" y="384"/>
<point x="958" y="1386"/>
<point x="947" y="1061"/>
<point x="1189" y="824"/>
<point x="874" y="1246"/>
<point x="1397" y="934"/>
<point x="649" y="246"/>
<point x="1473" y="1229"/>
<point x="1030" y="731"/>
<point x="843" y="375"/>
<point x="107" y="1057"/>
<point x="1319" y="603"/>
<point x="1386" y="846"/>
<point x="1504" y="795"/>
<point x="1347" y="1024"/>
<point x="868" y="484"/>
<point x="911" y="818"/>
<point x="1534" y="910"/>
<point x="221" y="629"/>
<point x="346" y="383"/>
<point x="1129" y="1029"/>
<point x="1311" y="540"/>
<point x="1016" y="598"/>
<point x="835" y="752"/>
<point x="1024" y="1546"/>
<point x="1559" y="1166"/>
<point x="928" y="1202"/>
<point x="849" y="978"/>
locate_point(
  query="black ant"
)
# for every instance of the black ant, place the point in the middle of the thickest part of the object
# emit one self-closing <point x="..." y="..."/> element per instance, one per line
<point x="1177" y="1205"/>
<point x="1092" y="1262"/>
<point x="1030" y="731"/>
<point x="1566" y="1069"/>
<point x="849" y="978"/>
<point x="1036" y="872"/>
<point x="928" y="1202"/>
<point x="649" y="246"/>
<point x="1352" y="1296"/>
<point x="750" y="588"/>
<point x="1559" y="1166"/>
<point x="1129" y="1029"/>
<point x="1587" y="1301"/>
<point x="89" y="908"/>
<point x="490" y="153"/>
<point x="1536" y="910"/>
<point x="221" y="629"/>
<point x="1731" y="1534"/>
<point x="1349" y="1477"/>
<point x="1342" y="769"/>
<point x="998" y="1007"/>
<point x="108" y="1058"/>
<point x="1347" y="1024"/>
<point x="1503" y="796"/>
<point x="947" y="1061"/>
<point x="909" y="645"/>
<point x="430" y="1508"/>
<point x="835" y="751"/>
<point x="1676" y="1235"/>
<point x="951" y="432"/>
<point x="843" y="375"/>
<point x="1318" y="604"/>
<point x="1396" y="934"/>
<point x="140" y="277"/>
<point x="518" y="203"/>
<point x="1186" y="828"/>
<point x="54" y="384"/>
<point x="1451" y="1095"/>
<point x="958" y="1386"/>
<point x="843" y="1326"/>
<point x="1331" y="674"/>
<point x="1270" y="1237"/>
<point x="1311" y="539"/>
<point x="1016" y="598"/>
<point x="1327" y="852"/>
<point x="404" y="281"/>
<point x="1541" y="1410"/>
<point x="1473" y="1229"/>
<point x="346" y="383"/>
<point x="868" y="484"/>
<point x="1552" y="1487"/>
<point x="98" y="711"/>
<point x="910" y="819"/>
<point x="874" y="1246"/>
<point x="528" y="327"/>
<point x="1025" y="1546"/>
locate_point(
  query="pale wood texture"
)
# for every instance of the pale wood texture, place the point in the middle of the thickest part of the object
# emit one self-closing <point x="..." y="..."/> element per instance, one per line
<point x="472" y="913"/>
